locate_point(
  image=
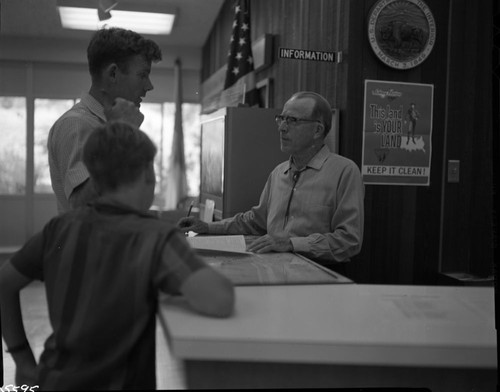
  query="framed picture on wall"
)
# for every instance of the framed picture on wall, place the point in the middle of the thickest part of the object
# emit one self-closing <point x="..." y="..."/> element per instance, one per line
<point x="397" y="133"/>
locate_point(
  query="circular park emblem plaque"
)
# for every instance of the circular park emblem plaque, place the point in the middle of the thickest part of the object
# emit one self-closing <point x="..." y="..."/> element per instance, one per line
<point x="402" y="33"/>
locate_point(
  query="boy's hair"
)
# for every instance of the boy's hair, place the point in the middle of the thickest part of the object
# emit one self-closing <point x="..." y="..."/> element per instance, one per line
<point x="116" y="153"/>
<point x="321" y="110"/>
<point x="116" y="45"/>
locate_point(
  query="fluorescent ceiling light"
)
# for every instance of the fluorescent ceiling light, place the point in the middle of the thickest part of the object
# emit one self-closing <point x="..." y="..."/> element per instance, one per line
<point x="141" y="22"/>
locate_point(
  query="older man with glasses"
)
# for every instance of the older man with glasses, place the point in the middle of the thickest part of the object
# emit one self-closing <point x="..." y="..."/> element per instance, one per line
<point x="311" y="204"/>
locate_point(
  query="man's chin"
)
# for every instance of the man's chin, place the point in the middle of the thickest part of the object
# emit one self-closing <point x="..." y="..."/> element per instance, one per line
<point x="284" y="149"/>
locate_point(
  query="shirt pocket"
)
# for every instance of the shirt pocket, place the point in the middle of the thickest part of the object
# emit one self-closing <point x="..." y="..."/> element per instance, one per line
<point x="315" y="218"/>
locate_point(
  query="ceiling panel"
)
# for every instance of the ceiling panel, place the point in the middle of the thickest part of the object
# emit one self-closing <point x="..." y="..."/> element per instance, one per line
<point x="40" y="19"/>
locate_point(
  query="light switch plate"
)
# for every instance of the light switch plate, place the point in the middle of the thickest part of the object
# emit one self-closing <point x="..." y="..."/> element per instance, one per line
<point x="453" y="170"/>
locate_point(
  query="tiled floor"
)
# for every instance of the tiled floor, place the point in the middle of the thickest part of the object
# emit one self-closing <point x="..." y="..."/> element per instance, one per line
<point x="169" y="373"/>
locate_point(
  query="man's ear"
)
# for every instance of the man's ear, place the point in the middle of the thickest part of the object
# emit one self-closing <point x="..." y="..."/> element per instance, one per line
<point x="110" y="72"/>
<point x="320" y="130"/>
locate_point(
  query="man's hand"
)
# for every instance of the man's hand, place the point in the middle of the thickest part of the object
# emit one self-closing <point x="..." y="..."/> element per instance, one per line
<point x="193" y="224"/>
<point x="83" y="194"/>
<point x="267" y="243"/>
<point x="124" y="110"/>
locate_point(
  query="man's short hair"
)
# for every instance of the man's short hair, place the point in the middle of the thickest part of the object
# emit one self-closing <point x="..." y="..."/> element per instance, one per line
<point x="116" y="154"/>
<point x="321" y="110"/>
<point x="116" y="45"/>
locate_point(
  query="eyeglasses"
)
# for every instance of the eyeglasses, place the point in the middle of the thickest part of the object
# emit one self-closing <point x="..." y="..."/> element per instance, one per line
<point x="280" y="119"/>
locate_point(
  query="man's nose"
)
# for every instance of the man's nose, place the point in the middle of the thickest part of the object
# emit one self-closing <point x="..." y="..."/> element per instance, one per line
<point x="283" y="127"/>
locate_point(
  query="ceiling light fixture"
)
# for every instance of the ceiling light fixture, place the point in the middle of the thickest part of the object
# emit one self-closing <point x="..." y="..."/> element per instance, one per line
<point x="107" y="15"/>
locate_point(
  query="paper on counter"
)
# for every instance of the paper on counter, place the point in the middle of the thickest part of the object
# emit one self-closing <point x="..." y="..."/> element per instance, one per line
<point x="222" y="243"/>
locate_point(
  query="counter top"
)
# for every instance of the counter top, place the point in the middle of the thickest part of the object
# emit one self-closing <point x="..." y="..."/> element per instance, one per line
<point x="343" y="324"/>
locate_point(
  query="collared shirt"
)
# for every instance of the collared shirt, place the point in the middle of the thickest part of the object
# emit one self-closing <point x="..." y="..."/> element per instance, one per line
<point x="65" y="146"/>
<point x="103" y="265"/>
<point x="326" y="212"/>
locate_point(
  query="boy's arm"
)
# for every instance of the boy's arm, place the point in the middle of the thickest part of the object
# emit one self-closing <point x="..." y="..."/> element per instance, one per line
<point x="181" y="271"/>
<point x="209" y="292"/>
<point x="14" y="334"/>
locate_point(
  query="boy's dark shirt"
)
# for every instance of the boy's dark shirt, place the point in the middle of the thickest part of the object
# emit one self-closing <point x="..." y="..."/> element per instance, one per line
<point x="103" y="265"/>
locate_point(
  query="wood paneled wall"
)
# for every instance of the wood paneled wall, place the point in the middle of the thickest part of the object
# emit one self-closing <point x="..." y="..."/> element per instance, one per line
<point x="402" y="225"/>
<point x="468" y="239"/>
<point x="411" y="233"/>
<point x="314" y="25"/>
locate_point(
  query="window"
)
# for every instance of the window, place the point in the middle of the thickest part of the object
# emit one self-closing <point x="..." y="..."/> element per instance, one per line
<point x="47" y="111"/>
<point x="191" y="128"/>
<point x="158" y="124"/>
<point x="152" y="126"/>
<point x="13" y="146"/>
<point x="191" y="132"/>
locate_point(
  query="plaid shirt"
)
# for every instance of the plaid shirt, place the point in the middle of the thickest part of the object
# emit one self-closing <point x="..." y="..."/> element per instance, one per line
<point x="103" y="266"/>
<point x="65" y="145"/>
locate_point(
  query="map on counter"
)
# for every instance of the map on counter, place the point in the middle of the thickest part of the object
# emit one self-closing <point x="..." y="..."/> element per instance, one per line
<point x="271" y="269"/>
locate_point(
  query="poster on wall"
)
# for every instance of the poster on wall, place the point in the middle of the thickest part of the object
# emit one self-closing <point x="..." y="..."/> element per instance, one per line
<point x="397" y="133"/>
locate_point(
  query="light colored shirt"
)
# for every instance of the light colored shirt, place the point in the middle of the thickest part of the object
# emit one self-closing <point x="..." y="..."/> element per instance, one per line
<point x="65" y="146"/>
<point x="326" y="213"/>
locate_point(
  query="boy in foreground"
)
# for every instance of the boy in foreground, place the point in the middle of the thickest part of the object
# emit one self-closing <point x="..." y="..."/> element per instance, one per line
<point x="103" y="266"/>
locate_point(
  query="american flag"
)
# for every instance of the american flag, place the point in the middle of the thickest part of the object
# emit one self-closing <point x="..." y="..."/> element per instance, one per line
<point x="240" y="58"/>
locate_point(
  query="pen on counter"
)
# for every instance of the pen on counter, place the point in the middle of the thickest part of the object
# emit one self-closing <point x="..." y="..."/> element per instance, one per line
<point x="190" y="208"/>
<point x="189" y="213"/>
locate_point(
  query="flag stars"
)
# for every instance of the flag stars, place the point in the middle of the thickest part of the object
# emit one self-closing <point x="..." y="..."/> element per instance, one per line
<point x="240" y="61"/>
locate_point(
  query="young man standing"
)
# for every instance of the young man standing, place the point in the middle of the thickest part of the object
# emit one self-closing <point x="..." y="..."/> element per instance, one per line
<point x="119" y="64"/>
